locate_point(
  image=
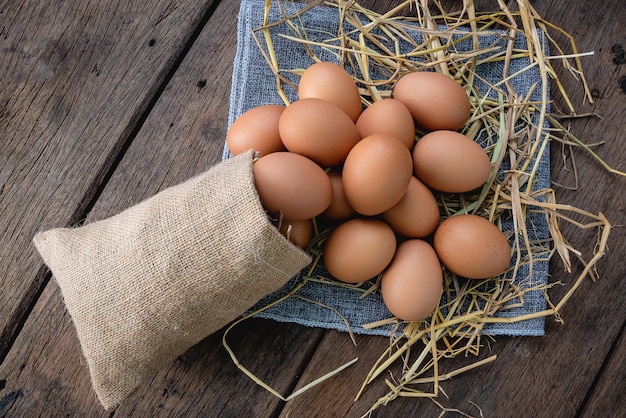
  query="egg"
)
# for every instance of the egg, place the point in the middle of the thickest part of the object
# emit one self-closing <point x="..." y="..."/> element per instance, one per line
<point x="319" y="130"/>
<point x="359" y="249"/>
<point x="339" y="208"/>
<point x="416" y="215"/>
<point x="412" y="284"/>
<point x="291" y="184"/>
<point x="298" y="232"/>
<point x="330" y="82"/>
<point x="435" y="100"/>
<point x="388" y="116"/>
<point x="450" y="162"/>
<point x="472" y="247"/>
<point x="256" y="129"/>
<point x="376" y="174"/>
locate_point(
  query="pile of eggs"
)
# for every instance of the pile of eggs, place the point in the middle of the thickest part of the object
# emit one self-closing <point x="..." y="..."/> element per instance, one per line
<point x="363" y="171"/>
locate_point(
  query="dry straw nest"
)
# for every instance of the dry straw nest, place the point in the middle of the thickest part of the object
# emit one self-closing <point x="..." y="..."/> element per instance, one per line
<point x="521" y="132"/>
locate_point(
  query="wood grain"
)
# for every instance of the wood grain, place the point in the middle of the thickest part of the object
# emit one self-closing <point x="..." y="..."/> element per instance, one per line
<point x="606" y="396"/>
<point x="44" y="373"/>
<point x="70" y="124"/>
<point x="76" y="77"/>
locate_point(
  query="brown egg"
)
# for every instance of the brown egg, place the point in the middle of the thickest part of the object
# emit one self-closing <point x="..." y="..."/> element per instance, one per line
<point x="376" y="174"/>
<point x="359" y="250"/>
<point x="450" y="162"/>
<point x="412" y="284"/>
<point x="435" y="100"/>
<point x="330" y="82"/>
<point x="416" y="215"/>
<point x="298" y="232"/>
<point x="319" y="130"/>
<point x="388" y="116"/>
<point x="339" y="208"/>
<point x="472" y="247"/>
<point x="256" y="129"/>
<point x="293" y="185"/>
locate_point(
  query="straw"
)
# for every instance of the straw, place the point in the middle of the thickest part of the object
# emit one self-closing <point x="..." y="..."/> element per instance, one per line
<point x="515" y="132"/>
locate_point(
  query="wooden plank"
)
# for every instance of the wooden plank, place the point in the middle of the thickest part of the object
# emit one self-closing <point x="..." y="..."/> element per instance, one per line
<point x="31" y="386"/>
<point x="182" y="136"/>
<point x="533" y="375"/>
<point x="204" y="381"/>
<point x="76" y="78"/>
<point x="45" y="374"/>
<point x="547" y="376"/>
<point x="606" y="399"/>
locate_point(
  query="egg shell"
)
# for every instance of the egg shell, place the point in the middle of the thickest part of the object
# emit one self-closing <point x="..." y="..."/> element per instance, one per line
<point x="359" y="249"/>
<point x="339" y="208"/>
<point x="472" y="247"/>
<point x="388" y="116"/>
<point x="416" y="215"/>
<point x="376" y="174"/>
<point x="298" y="232"/>
<point x="450" y="162"/>
<point x="291" y="184"/>
<point x="435" y="100"/>
<point x="331" y="82"/>
<point x="319" y="130"/>
<point x="256" y="129"/>
<point x="412" y="284"/>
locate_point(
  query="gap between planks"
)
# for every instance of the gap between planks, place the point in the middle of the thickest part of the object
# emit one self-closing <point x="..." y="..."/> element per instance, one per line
<point x="93" y="193"/>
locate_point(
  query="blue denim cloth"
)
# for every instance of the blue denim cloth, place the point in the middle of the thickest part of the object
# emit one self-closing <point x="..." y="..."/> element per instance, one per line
<point x="253" y="84"/>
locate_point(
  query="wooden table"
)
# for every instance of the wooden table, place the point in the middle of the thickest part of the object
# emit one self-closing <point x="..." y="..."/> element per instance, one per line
<point x="103" y="104"/>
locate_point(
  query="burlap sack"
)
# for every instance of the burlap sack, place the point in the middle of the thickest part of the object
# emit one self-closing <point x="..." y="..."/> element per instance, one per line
<point x="144" y="286"/>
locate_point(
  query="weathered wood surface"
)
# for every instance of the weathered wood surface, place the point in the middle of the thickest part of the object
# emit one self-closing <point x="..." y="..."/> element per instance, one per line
<point x="76" y="78"/>
<point x="91" y="121"/>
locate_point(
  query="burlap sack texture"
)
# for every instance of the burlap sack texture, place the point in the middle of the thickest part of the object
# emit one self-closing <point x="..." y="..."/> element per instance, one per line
<point x="145" y="285"/>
